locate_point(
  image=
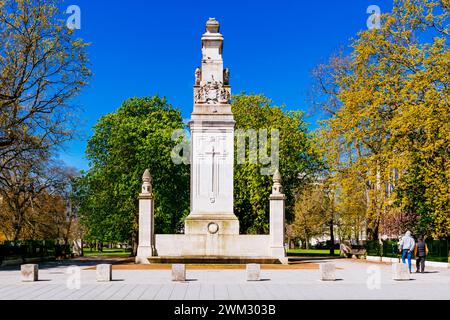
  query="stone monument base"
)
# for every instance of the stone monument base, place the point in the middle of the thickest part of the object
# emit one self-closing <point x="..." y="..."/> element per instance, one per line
<point x="212" y="260"/>
<point x="214" y="248"/>
<point x="201" y="224"/>
<point x="142" y="254"/>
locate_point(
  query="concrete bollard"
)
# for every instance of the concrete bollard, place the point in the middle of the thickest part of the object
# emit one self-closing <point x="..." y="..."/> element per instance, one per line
<point x="178" y="272"/>
<point x="29" y="272"/>
<point x="253" y="272"/>
<point x="400" y="272"/>
<point x="104" y="272"/>
<point x="327" y="272"/>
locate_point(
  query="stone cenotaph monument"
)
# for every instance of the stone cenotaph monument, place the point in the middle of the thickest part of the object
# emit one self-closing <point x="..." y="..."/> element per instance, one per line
<point x="212" y="137"/>
<point x="211" y="229"/>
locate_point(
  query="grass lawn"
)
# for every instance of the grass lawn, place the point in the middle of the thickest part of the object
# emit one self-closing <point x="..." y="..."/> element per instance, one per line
<point x="106" y="252"/>
<point x="312" y="252"/>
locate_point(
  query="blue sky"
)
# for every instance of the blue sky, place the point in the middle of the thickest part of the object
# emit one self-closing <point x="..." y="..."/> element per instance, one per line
<point x="147" y="47"/>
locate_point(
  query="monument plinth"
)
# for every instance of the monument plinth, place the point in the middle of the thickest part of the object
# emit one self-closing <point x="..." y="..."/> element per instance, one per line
<point x="212" y="135"/>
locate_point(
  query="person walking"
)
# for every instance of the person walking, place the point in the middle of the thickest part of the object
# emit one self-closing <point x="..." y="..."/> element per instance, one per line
<point x="406" y="247"/>
<point x="420" y="252"/>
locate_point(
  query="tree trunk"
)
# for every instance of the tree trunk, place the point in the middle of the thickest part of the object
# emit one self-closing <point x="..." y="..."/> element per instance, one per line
<point x="134" y="243"/>
<point x="332" y="237"/>
<point x="18" y="226"/>
<point x="66" y="236"/>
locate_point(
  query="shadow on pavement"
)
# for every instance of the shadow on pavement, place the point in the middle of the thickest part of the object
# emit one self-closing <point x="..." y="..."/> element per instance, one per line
<point x="77" y="262"/>
<point x="299" y="259"/>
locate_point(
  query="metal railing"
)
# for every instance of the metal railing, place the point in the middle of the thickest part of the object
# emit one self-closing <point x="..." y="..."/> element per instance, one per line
<point x="32" y="249"/>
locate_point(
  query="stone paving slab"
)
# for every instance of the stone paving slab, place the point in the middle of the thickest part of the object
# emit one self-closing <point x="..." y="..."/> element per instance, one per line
<point x="356" y="281"/>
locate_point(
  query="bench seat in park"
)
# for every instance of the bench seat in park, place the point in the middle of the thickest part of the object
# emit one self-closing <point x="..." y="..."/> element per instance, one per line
<point x="354" y="251"/>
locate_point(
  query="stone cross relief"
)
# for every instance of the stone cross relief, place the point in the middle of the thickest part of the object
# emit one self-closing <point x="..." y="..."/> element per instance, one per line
<point x="213" y="154"/>
<point x="212" y="151"/>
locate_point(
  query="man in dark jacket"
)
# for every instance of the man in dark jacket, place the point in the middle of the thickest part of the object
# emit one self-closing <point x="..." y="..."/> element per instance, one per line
<point x="421" y="252"/>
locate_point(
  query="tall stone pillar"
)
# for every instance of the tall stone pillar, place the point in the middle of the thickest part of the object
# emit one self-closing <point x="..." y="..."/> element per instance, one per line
<point x="146" y="246"/>
<point x="277" y="220"/>
<point x="212" y="137"/>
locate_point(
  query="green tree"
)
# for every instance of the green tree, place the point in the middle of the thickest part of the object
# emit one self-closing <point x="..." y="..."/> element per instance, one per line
<point x="126" y="142"/>
<point x="297" y="160"/>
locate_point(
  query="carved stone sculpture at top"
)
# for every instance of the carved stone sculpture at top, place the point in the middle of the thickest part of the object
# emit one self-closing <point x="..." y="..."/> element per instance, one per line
<point x="212" y="92"/>
<point x="212" y="26"/>
<point x="198" y="76"/>
<point x="277" y="188"/>
<point x="226" y="76"/>
<point x="146" y="182"/>
<point x="211" y="79"/>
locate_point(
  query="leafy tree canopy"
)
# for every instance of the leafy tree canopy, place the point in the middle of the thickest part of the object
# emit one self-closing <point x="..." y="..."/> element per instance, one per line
<point x="126" y="142"/>
<point x="297" y="160"/>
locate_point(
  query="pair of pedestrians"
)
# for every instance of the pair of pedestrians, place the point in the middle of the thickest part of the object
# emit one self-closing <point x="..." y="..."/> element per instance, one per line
<point x="408" y="247"/>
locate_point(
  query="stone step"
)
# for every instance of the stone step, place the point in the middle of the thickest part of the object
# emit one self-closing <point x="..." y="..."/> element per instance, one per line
<point x="213" y="260"/>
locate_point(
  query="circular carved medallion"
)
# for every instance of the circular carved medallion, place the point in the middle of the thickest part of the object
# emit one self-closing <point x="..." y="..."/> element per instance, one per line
<point x="213" y="228"/>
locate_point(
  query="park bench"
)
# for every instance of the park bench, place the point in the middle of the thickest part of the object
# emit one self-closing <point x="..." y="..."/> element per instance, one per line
<point x="353" y="251"/>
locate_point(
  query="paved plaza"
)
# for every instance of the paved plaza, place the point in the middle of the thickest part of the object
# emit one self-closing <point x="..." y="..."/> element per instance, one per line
<point x="356" y="280"/>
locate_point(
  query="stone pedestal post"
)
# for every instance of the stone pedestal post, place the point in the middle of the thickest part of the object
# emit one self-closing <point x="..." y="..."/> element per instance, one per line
<point x="29" y="272"/>
<point x="146" y="246"/>
<point x="400" y="272"/>
<point x="104" y="272"/>
<point x="253" y="272"/>
<point x="277" y="220"/>
<point x="179" y="272"/>
<point x="327" y="272"/>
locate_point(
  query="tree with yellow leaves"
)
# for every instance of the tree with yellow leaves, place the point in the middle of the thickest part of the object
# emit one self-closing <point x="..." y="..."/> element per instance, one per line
<point x="311" y="214"/>
<point x="391" y="127"/>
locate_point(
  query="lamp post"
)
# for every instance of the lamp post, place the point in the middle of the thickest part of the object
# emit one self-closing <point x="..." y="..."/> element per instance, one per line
<point x="330" y="198"/>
